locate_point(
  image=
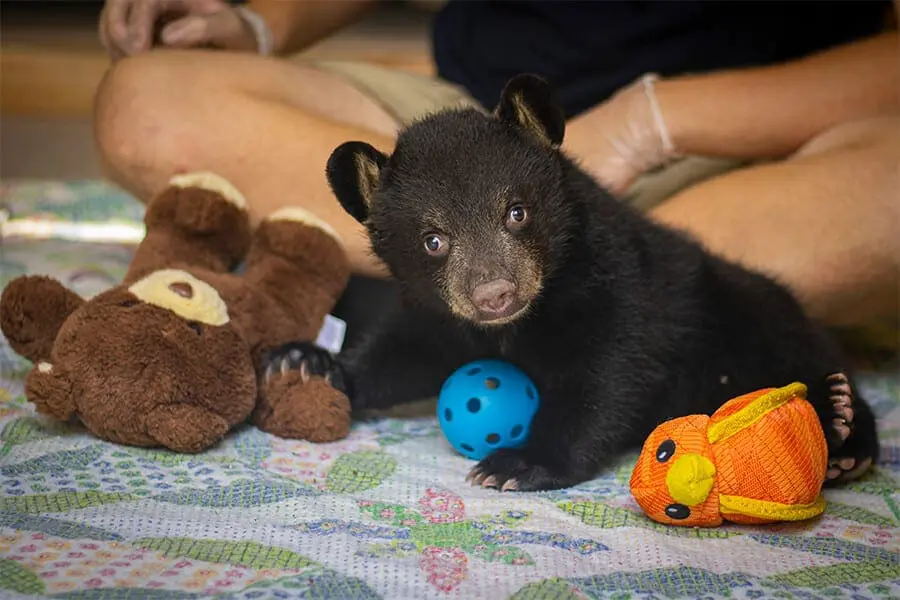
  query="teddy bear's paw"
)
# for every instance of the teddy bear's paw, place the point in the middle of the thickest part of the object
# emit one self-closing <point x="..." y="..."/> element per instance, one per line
<point x="200" y="203"/>
<point x="307" y="360"/>
<point x="210" y="182"/>
<point x="185" y="427"/>
<point x="295" y="214"/>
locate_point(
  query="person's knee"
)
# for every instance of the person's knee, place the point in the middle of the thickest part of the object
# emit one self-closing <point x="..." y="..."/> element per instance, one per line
<point x="136" y="100"/>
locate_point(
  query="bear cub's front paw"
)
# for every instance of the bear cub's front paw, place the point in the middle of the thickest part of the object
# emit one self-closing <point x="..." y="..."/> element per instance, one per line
<point x="518" y="470"/>
<point x="307" y="358"/>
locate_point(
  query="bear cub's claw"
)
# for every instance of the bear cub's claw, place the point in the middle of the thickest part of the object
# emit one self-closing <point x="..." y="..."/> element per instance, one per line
<point x="308" y="359"/>
<point x="844" y="467"/>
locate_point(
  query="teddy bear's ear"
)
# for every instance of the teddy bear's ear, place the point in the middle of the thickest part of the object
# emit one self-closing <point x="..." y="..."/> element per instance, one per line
<point x="32" y="310"/>
<point x="530" y="102"/>
<point x="354" y="172"/>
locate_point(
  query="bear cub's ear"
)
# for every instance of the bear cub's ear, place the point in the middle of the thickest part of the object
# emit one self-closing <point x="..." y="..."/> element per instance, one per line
<point x="530" y="102"/>
<point x="354" y="172"/>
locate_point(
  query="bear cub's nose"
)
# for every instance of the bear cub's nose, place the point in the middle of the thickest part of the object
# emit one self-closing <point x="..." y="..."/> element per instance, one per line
<point x="494" y="297"/>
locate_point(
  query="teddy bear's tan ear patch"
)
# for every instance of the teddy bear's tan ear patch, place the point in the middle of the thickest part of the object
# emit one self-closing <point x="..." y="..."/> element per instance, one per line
<point x="183" y="294"/>
<point x="209" y="181"/>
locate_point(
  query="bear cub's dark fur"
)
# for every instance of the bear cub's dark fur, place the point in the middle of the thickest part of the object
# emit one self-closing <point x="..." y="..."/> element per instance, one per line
<point x="503" y="247"/>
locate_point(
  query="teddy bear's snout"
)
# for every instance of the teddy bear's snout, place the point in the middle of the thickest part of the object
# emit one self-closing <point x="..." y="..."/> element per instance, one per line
<point x="182" y="288"/>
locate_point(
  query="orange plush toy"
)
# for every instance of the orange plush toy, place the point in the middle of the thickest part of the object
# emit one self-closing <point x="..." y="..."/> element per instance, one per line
<point x="760" y="458"/>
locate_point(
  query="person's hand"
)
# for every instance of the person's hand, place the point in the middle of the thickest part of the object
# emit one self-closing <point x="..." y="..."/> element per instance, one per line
<point x="622" y="138"/>
<point x="132" y="26"/>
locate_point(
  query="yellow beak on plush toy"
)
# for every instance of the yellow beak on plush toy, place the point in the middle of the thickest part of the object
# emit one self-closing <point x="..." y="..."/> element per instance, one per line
<point x="690" y="479"/>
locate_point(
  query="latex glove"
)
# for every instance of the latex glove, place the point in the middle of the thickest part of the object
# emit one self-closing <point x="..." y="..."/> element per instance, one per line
<point x="624" y="137"/>
<point x="129" y="27"/>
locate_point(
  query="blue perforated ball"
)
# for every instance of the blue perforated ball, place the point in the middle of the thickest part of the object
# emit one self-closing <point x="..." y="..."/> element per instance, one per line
<point x="486" y="405"/>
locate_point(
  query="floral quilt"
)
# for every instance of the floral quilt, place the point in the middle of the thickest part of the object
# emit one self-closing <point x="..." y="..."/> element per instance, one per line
<point x="384" y="513"/>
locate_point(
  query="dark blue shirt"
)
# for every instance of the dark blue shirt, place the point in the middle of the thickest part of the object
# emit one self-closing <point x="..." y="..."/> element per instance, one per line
<point x="589" y="49"/>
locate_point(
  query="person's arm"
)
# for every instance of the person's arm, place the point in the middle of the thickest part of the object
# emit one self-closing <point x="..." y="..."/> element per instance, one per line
<point x="771" y="111"/>
<point x="298" y="24"/>
<point x="749" y="113"/>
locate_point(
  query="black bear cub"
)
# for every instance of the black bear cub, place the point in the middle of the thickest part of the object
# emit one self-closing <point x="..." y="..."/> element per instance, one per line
<point x="503" y="247"/>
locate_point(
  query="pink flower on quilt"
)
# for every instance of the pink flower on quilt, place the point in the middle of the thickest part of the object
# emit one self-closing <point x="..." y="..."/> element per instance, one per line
<point x="183" y="564"/>
<point x="441" y="506"/>
<point x="155" y="584"/>
<point x="38" y="536"/>
<point x="388" y="513"/>
<point x="120" y="563"/>
<point x="95" y="582"/>
<point x="28" y="548"/>
<point x="446" y="567"/>
<point x="108" y="572"/>
<point x="75" y="554"/>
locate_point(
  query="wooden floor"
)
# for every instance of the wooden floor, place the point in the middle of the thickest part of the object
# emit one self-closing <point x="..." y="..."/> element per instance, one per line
<point x="51" y="62"/>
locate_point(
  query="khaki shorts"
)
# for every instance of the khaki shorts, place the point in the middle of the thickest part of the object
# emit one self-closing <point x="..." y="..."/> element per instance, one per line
<point x="409" y="96"/>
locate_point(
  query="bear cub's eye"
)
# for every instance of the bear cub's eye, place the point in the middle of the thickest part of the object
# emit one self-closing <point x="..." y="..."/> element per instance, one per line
<point x="435" y="245"/>
<point x="516" y="216"/>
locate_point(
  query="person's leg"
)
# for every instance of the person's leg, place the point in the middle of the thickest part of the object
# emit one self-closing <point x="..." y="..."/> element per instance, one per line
<point x="267" y="125"/>
<point x="826" y="222"/>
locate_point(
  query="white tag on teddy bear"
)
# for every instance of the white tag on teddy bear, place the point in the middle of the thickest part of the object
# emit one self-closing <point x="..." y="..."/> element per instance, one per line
<point x="331" y="336"/>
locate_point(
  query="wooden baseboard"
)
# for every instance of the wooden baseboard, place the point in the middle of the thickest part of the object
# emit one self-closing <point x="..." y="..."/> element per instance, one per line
<point x="61" y="82"/>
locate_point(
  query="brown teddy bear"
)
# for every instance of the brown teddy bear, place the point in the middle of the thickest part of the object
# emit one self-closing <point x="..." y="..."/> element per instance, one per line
<point x="172" y="357"/>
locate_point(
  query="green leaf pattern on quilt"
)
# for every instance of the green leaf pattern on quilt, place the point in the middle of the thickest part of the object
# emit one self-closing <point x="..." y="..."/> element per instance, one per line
<point x="60" y="501"/>
<point x="248" y="554"/>
<point x="359" y="471"/>
<point x="16" y="578"/>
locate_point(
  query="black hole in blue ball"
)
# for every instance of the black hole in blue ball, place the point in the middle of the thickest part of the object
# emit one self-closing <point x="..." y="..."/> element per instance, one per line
<point x="530" y="391"/>
<point x="492" y="383"/>
<point x="467" y="447"/>
<point x="448" y="414"/>
<point x="474" y="371"/>
<point x="492" y="438"/>
<point x="474" y="405"/>
<point x="515" y="431"/>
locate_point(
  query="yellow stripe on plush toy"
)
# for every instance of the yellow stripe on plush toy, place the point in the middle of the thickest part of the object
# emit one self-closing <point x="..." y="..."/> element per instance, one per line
<point x="754" y="411"/>
<point x="774" y="511"/>
<point x="183" y="294"/>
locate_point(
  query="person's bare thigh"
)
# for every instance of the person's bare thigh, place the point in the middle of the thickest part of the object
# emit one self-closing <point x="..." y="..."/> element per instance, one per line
<point x="824" y="221"/>
<point x="267" y="125"/>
